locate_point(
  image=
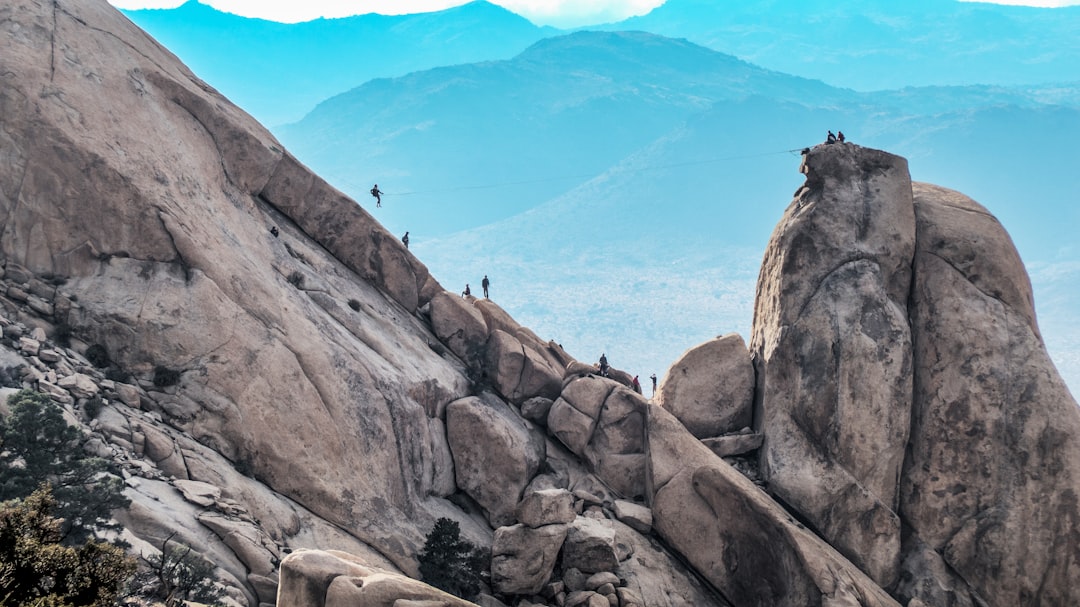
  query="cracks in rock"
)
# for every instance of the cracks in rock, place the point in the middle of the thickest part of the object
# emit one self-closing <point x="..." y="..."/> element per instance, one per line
<point x="111" y="34"/>
<point x="52" y="41"/>
<point x="209" y="133"/>
<point x="962" y="273"/>
<point x="821" y="283"/>
<point x="179" y="260"/>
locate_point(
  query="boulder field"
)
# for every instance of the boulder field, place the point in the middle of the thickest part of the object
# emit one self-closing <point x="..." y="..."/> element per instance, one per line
<point x="301" y="405"/>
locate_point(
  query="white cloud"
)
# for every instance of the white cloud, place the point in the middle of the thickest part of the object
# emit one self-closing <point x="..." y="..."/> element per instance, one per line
<point x="560" y="13"/>
<point x="565" y="13"/>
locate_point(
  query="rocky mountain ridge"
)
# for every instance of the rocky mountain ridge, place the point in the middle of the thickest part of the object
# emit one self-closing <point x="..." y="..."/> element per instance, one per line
<point x="303" y="405"/>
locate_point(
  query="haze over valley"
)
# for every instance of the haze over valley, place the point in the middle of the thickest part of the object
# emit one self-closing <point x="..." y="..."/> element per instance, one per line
<point x="619" y="187"/>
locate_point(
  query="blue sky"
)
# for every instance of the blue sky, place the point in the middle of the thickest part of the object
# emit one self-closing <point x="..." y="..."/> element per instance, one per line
<point x="560" y="13"/>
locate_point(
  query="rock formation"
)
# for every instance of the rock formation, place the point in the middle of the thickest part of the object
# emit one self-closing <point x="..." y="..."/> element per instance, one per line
<point x="302" y="405"/>
<point x="910" y="412"/>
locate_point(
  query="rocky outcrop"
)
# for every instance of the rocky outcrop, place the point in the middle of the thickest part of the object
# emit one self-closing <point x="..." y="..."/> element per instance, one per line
<point x="900" y="367"/>
<point x="833" y="351"/>
<point x="993" y="471"/>
<point x="496" y="454"/>
<point x="740" y="540"/>
<point x="262" y="393"/>
<point x="316" y="578"/>
<point x="711" y="387"/>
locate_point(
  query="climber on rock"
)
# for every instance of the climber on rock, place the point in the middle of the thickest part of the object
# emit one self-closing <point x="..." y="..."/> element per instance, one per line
<point x="377" y="193"/>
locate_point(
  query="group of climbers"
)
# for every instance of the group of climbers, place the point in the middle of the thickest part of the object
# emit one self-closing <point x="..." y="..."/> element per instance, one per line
<point x="604" y="369"/>
<point x="485" y="284"/>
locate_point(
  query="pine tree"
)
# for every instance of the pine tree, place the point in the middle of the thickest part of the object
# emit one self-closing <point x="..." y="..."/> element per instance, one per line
<point x="450" y="563"/>
<point x="37" y="445"/>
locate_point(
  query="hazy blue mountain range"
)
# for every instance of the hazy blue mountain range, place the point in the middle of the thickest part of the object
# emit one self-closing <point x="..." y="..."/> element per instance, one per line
<point x="637" y="178"/>
<point x="619" y="187"/>
<point x="278" y="72"/>
<point x="882" y="44"/>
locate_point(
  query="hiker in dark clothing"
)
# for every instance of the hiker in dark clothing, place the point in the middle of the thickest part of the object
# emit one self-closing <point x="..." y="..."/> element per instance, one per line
<point x="466" y="292"/>
<point x="405" y="240"/>
<point x="274" y="231"/>
<point x="840" y="136"/>
<point x="485" y="284"/>
<point x="377" y="193"/>
<point x="603" y="365"/>
<point x="831" y="138"/>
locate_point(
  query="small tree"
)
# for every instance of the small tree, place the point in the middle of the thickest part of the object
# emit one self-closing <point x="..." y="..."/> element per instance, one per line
<point x="450" y="563"/>
<point x="37" y="445"/>
<point x="36" y="570"/>
<point x="177" y="575"/>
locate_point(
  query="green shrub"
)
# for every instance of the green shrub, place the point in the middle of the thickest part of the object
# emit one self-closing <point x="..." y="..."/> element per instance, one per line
<point x="177" y="575"/>
<point x="37" y="446"/>
<point x="450" y="563"/>
<point x="93" y="406"/>
<point x="98" y="356"/>
<point x="36" y="570"/>
<point x="165" y="377"/>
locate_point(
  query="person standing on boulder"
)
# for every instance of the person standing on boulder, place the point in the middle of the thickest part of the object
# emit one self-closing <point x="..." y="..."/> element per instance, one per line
<point x="405" y="240"/>
<point x="377" y="193"/>
<point x="637" y="385"/>
<point x="653" y="378"/>
<point x="485" y="284"/>
<point x="603" y="365"/>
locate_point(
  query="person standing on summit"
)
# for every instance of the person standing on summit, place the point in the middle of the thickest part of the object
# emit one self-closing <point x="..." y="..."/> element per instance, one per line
<point x="485" y="284"/>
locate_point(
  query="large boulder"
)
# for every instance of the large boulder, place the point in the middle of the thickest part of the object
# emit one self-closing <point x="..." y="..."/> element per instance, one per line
<point x="523" y="558"/>
<point x="496" y="454"/>
<point x="603" y="423"/>
<point x="993" y="472"/>
<point x="316" y="578"/>
<point x="832" y="346"/>
<point x="710" y="388"/>
<point x="740" y="540"/>
<point x="517" y="371"/>
<point x="460" y="326"/>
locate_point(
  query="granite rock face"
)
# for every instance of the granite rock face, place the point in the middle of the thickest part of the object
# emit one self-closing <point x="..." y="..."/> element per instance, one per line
<point x="263" y="393"/>
<point x="993" y="475"/>
<point x="833" y="351"/>
<point x="903" y="385"/>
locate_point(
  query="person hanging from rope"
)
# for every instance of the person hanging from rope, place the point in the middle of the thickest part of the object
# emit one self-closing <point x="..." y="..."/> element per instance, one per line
<point x="405" y="240"/>
<point x="377" y="193"/>
<point x="485" y="284"/>
<point x="831" y="138"/>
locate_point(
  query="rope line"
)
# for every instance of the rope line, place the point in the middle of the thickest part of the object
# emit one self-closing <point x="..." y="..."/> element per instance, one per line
<point x="489" y="186"/>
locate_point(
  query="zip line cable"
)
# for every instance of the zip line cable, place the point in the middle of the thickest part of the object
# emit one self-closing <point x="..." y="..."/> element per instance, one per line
<point x="489" y="186"/>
